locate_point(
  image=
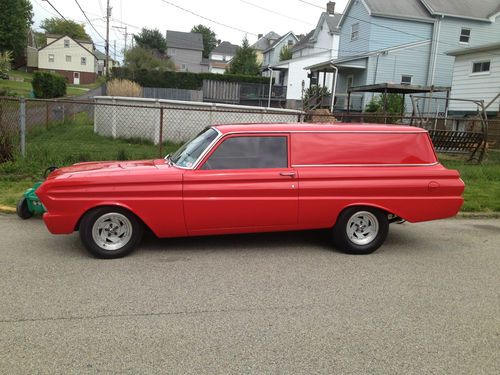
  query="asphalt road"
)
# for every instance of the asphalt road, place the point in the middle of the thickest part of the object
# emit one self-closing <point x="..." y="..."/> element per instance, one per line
<point x="426" y="303"/>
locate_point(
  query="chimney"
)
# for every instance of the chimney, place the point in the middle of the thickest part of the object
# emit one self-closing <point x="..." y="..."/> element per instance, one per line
<point x="330" y="7"/>
<point x="260" y="36"/>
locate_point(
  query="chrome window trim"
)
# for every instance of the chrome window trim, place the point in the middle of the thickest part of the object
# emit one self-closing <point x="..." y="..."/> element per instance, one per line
<point x="364" y="165"/>
<point x="202" y="155"/>
<point x="422" y="131"/>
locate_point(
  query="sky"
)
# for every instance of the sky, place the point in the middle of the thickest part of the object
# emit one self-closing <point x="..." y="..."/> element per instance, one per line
<point x="244" y="17"/>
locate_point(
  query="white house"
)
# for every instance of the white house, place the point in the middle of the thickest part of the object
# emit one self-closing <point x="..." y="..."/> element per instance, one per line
<point x="320" y="44"/>
<point x="476" y="76"/>
<point x="221" y="56"/>
<point x="73" y="59"/>
<point x="271" y="56"/>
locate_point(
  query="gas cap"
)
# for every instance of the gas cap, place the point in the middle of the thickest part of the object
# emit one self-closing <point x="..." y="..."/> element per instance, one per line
<point x="433" y="186"/>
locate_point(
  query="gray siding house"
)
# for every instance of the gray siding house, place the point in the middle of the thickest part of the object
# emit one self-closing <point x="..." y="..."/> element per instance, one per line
<point x="406" y="41"/>
<point x="186" y="51"/>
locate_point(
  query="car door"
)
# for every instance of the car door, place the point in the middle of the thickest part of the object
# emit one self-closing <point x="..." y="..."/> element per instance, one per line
<point x="245" y="182"/>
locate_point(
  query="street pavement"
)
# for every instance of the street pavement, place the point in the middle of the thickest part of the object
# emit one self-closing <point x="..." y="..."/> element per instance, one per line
<point x="427" y="302"/>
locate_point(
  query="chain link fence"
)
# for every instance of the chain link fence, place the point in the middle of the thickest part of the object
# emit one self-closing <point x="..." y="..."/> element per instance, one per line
<point x="165" y="121"/>
<point x="137" y="119"/>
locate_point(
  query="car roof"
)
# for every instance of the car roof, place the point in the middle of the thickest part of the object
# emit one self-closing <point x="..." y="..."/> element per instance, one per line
<point x="305" y="127"/>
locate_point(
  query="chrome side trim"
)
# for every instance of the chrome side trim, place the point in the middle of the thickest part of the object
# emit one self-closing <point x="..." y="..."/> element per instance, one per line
<point x="364" y="165"/>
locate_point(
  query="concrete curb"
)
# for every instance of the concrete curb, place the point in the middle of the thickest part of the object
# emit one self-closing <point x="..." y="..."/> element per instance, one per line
<point x="7" y="209"/>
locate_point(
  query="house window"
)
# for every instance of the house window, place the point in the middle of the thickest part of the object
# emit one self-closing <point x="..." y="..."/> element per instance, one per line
<point x="66" y="43"/>
<point x="355" y="31"/>
<point x="183" y="66"/>
<point x="290" y="42"/>
<point x="464" y="35"/>
<point x="406" y="79"/>
<point x="51" y="57"/>
<point x="68" y="58"/>
<point x="481" y="67"/>
<point x="83" y="61"/>
<point x="172" y="51"/>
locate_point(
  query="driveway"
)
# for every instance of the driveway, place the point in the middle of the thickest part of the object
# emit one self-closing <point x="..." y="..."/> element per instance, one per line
<point x="426" y="302"/>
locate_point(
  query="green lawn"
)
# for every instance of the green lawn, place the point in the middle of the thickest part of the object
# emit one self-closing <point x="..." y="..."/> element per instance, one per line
<point x="64" y="145"/>
<point x="482" y="182"/>
<point x="71" y="143"/>
<point x="23" y="88"/>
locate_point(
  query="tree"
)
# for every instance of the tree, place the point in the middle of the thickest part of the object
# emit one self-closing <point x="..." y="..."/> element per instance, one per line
<point x="140" y="58"/>
<point x="60" y="26"/>
<point x="244" y="61"/>
<point x="285" y="53"/>
<point x="15" y="20"/>
<point x="151" y="39"/>
<point x="395" y="107"/>
<point x="209" y="38"/>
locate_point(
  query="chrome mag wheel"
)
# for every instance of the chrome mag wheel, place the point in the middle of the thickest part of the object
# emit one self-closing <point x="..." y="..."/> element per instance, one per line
<point x="112" y="231"/>
<point x="362" y="228"/>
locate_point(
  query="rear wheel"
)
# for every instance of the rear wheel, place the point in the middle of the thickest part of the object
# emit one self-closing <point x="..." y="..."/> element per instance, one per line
<point x="360" y="230"/>
<point x="23" y="210"/>
<point x="110" y="232"/>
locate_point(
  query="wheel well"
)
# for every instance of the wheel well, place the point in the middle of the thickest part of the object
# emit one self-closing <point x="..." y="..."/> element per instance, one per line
<point x="77" y="226"/>
<point x="361" y="205"/>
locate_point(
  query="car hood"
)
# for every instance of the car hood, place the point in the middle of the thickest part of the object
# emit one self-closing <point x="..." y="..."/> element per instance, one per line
<point x="107" y="167"/>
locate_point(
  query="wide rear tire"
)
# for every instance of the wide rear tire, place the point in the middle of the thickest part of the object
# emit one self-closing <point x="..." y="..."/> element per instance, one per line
<point x="360" y="230"/>
<point x="110" y="232"/>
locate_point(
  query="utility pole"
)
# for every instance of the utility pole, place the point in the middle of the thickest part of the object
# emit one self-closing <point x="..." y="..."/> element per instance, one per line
<point x="108" y="14"/>
<point x="114" y="52"/>
<point x="125" y="33"/>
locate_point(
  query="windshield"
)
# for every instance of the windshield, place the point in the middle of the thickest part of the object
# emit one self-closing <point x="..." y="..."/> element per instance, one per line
<point x="188" y="153"/>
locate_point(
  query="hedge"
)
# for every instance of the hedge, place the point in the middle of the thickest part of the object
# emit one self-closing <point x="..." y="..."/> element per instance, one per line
<point x="180" y="80"/>
<point x="48" y="85"/>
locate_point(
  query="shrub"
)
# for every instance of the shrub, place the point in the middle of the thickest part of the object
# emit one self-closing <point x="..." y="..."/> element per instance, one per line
<point x="313" y="96"/>
<point x="47" y="85"/>
<point x="123" y="87"/>
<point x="180" y="80"/>
<point x="395" y="106"/>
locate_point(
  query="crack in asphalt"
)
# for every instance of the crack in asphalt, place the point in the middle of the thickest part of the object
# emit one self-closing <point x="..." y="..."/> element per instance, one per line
<point x="193" y="312"/>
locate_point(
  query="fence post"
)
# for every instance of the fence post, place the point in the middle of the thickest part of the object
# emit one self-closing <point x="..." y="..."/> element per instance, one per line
<point x="161" y="132"/>
<point x="22" y="125"/>
<point x="46" y="115"/>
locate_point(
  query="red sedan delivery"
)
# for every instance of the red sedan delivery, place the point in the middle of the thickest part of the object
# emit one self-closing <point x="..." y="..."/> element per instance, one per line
<point x="351" y="179"/>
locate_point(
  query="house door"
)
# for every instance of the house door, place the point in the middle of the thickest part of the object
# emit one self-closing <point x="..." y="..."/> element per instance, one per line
<point x="76" y="78"/>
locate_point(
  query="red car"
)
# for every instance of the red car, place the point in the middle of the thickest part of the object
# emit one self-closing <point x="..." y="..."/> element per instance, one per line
<point x="353" y="179"/>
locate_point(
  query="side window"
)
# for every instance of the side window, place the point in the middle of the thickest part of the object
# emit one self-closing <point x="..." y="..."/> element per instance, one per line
<point x="249" y="153"/>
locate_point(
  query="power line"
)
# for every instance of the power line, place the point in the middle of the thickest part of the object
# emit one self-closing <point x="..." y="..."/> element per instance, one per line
<point x="314" y="5"/>
<point x="206" y="18"/>
<point x="53" y="7"/>
<point x="90" y="23"/>
<point x="277" y="13"/>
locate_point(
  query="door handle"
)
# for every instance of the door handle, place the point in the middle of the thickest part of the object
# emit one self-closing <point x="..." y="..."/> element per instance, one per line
<point x="287" y="174"/>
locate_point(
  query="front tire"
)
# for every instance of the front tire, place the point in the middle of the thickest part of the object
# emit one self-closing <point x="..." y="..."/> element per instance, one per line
<point x="110" y="232"/>
<point x="360" y="230"/>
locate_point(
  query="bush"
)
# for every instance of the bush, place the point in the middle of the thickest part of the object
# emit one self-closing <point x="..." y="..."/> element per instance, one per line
<point x="180" y="80"/>
<point x="313" y="97"/>
<point x="48" y="85"/>
<point x="395" y="107"/>
<point x="123" y="87"/>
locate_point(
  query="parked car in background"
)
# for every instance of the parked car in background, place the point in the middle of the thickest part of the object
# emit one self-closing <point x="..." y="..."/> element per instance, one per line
<point x="351" y="179"/>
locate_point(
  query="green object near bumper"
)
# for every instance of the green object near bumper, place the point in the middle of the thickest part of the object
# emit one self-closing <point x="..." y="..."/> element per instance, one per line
<point x="34" y="205"/>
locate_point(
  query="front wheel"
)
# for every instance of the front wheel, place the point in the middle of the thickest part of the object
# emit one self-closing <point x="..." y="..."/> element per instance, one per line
<point x="110" y="232"/>
<point x="360" y="230"/>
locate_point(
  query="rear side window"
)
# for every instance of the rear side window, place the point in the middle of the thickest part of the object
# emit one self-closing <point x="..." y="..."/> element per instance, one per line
<point x="249" y="153"/>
